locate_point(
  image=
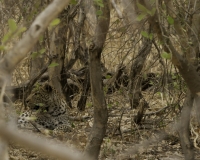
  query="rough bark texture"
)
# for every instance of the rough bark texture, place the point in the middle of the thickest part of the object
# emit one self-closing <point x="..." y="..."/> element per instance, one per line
<point x="57" y="74"/>
<point x="186" y="68"/>
<point x="135" y="78"/>
<point x="76" y="33"/>
<point x="57" y="50"/>
<point x="33" y="34"/>
<point x="115" y="81"/>
<point x="138" y="118"/>
<point x="100" y="109"/>
<point x="196" y="30"/>
<point x="19" y="52"/>
<point x="36" y="62"/>
<point x="184" y="61"/>
<point x="86" y="86"/>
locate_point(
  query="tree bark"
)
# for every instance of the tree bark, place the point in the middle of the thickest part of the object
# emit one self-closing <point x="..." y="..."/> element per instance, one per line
<point x="86" y="86"/>
<point x="19" y="51"/>
<point x="100" y="109"/>
<point x="57" y="51"/>
<point x="184" y="131"/>
<point x="32" y="36"/>
<point x="134" y="91"/>
<point x="184" y="61"/>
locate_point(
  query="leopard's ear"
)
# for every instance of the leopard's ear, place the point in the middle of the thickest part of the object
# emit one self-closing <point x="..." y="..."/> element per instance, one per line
<point x="47" y="87"/>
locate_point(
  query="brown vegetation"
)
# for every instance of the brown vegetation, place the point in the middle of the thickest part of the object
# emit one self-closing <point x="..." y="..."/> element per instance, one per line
<point x="131" y="66"/>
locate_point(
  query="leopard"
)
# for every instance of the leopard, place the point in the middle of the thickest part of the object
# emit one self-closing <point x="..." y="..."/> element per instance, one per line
<point x="47" y="108"/>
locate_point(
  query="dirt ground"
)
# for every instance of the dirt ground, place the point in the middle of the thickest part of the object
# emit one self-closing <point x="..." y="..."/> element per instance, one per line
<point x="154" y="139"/>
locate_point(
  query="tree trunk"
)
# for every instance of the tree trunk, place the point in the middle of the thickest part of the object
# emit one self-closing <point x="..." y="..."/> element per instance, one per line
<point x="86" y="86"/>
<point x="57" y="50"/>
<point x="36" y="62"/>
<point x="134" y="91"/>
<point x="9" y="62"/>
<point x="184" y="61"/>
<point x="100" y="109"/>
<point x="184" y="131"/>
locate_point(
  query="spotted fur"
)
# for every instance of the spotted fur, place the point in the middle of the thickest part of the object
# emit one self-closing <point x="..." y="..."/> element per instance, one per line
<point x="47" y="108"/>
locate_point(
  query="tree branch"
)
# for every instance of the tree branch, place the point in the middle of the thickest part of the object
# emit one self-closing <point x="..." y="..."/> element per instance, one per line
<point x="31" y="37"/>
<point x="43" y="145"/>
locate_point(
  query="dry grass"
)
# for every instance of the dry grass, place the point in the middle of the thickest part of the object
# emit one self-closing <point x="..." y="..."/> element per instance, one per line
<point x="132" y="141"/>
<point x="124" y="139"/>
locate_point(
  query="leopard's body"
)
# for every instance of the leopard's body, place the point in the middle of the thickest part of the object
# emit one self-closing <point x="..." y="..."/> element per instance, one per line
<point x="47" y="108"/>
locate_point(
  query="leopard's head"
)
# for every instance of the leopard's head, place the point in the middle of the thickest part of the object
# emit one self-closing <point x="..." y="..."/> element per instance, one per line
<point x="40" y="97"/>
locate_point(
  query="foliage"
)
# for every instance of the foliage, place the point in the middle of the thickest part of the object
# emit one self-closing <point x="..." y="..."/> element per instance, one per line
<point x="145" y="12"/>
<point x="147" y="35"/>
<point x="55" y="22"/>
<point x="100" y="4"/>
<point x="166" y="55"/>
<point x="73" y="2"/>
<point x="14" y="31"/>
<point x="124" y="39"/>
<point x="53" y="64"/>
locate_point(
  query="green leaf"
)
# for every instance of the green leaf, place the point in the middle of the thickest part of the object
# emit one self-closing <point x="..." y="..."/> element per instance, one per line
<point x="145" y="10"/>
<point x="109" y="105"/>
<point x="105" y="89"/>
<point x="166" y="55"/>
<point x="73" y="2"/>
<point x="141" y="17"/>
<point x="89" y="104"/>
<point x="14" y="31"/>
<point x="108" y="76"/>
<point x="22" y="29"/>
<point x="99" y="12"/>
<point x="6" y="37"/>
<point x="153" y="11"/>
<point x="150" y="36"/>
<point x="41" y="38"/>
<point x="55" y="22"/>
<point x="12" y="25"/>
<point x="42" y="51"/>
<point x="158" y="93"/>
<point x="35" y="54"/>
<point x="170" y="20"/>
<point x="145" y="34"/>
<point x="142" y="8"/>
<point x="99" y="3"/>
<point x="2" y="48"/>
<point x="53" y="64"/>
